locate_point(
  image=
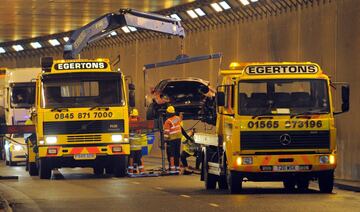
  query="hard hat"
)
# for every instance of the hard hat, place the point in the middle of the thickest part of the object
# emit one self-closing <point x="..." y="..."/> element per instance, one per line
<point x="134" y="112"/>
<point x="170" y="109"/>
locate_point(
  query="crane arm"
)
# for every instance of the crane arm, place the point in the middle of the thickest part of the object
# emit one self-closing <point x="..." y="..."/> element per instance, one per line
<point x="102" y="26"/>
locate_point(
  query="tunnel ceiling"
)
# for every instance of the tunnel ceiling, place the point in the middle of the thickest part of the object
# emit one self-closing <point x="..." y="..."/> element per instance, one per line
<point x="23" y="19"/>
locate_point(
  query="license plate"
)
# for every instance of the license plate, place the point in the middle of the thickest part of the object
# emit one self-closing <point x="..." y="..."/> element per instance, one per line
<point x="84" y="157"/>
<point x="285" y="168"/>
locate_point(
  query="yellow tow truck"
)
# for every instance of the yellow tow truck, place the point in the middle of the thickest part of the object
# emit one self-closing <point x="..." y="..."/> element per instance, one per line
<point x="275" y="122"/>
<point x="81" y="118"/>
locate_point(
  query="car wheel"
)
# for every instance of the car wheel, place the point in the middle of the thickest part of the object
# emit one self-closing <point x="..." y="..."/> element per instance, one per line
<point x="44" y="169"/>
<point x="326" y="182"/>
<point x="119" y="166"/>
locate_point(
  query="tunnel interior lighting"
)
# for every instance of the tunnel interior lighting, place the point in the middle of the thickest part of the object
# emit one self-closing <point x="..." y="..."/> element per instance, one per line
<point x="175" y="16"/>
<point x="253" y="0"/>
<point x="200" y="12"/>
<point x="216" y="7"/>
<point x="36" y="45"/>
<point x="192" y="14"/>
<point x="244" y="2"/>
<point x="225" y="5"/>
<point x="54" y="42"/>
<point x="2" y="50"/>
<point x="17" y="47"/>
<point x="113" y="33"/>
<point x="132" y="29"/>
<point x="66" y="39"/>
<point x="125" y="29"/>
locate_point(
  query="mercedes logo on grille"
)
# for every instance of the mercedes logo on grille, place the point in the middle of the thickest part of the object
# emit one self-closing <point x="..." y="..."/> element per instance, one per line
<point x="285" y="139"/>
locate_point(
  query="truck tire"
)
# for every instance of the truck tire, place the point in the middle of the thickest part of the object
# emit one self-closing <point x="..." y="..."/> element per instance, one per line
<point x="303" y="184"/>
<point x="326" y="182"/>
<point x="33" y="169"/>
<point x="119" y="164"/>
<point x="98" y="170"/>
<point x="235" y="182"/>
<point x="289" y="184"/>
<point x="44" y="169"/>
<point x="209" y="179"/>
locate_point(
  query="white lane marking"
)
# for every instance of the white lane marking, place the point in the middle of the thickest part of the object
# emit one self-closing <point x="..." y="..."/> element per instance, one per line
<point x="159" y="188"/>
<point x="186" y="196"/>
<point x="214" y="205"/>
<point x="136" y="183"/>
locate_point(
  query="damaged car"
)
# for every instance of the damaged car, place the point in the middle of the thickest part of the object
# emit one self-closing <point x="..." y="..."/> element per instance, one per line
<point x="193" y="97"/>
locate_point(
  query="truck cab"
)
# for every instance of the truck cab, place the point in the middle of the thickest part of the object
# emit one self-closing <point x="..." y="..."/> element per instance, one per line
<point x="19" y="97"/>
<point x="275" y="122"/>
<point x="81" y="118"/>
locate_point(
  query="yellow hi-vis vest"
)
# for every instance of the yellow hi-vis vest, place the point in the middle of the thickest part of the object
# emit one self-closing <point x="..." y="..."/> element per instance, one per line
<point x="172" y="128"/>
<point x="137" y="141"/>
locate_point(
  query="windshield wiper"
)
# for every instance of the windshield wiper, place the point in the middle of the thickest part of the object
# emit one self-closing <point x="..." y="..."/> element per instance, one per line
<point x="59" y="109"/>
<point x="308" y="113"/>
<point x="99" y="107"/>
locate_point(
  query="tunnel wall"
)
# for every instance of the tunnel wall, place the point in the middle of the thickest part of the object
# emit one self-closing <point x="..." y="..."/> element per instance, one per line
<point x="327" y="34"/>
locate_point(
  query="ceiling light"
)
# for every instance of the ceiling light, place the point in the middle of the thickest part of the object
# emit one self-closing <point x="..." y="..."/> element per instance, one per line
<point x="35" y="45"/>
<point x="54" y="42"/>
<point x="192" y="14"/>
<point x="113" y="33"/>
<point x="253" y="0"/>
<point x="225" y="5"/>
<point x="66" y="39"/>
<point x="125" y="29"/>
<point x="216" y="7"/>
<point x="200" y="12"/>
<point x="17" y="48"/>
<point x="2" y="50"/>
<point x="133" y="29"/>
<point x="175" y="16"/>
<point x="244" y="2"/>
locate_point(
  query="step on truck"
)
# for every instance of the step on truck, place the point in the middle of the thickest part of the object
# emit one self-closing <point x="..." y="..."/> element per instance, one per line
<point x="81" y="118"/>
<point x="275" y="122"/>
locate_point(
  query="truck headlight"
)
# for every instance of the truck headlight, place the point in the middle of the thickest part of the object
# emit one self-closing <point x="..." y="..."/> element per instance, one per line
<point x="17" y="147"/>
<point x="116" y="138"/>
<point x="51" y="140"/>
<point x="324" y="159"/>
<point x="247" y="160"/>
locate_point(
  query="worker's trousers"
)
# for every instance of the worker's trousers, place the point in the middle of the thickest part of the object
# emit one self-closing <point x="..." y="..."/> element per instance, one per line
<point x="173" y="150"/>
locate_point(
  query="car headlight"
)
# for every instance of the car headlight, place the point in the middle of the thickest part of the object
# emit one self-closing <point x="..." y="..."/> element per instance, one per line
<point x="17" y="147"/>
<point x="116" y="138"/>
<point x="51" y="140"/>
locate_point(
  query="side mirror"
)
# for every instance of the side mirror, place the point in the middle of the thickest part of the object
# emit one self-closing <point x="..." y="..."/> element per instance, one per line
<point x="345" y="95"/>
<point x="220" y="99"/>
<point x="131" y="95"/>
<point x="46" y="63"/>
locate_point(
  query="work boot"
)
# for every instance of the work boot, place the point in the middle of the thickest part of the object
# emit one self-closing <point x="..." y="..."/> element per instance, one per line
<point x="187" y="172"/>
<point x="130" y="170"/>
<point x="141" y="169"/>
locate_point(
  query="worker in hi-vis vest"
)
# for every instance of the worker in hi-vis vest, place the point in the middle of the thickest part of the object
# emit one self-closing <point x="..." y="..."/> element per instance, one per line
<point x="172" y="137"/>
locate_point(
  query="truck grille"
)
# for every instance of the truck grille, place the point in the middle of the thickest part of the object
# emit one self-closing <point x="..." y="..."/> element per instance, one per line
<point x="269" y="140"/>
<point x="84" y="138"/>
<point x="83" y="127"/>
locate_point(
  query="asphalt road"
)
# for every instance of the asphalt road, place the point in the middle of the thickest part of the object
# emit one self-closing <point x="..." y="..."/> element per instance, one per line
<point x="79" y="190"/>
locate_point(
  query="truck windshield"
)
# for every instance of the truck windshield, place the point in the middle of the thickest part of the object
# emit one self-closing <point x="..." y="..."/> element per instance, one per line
<point x="283" y="96"/>
<point x="22" y="95"/>
<point x="82" y="90"/>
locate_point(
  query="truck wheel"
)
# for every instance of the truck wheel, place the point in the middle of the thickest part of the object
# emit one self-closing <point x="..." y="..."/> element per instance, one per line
<point x="326" y="182"/>
<point x="119" y="164"/>
<point x="289" y="184"/>
<point x="235" y="182"/>
<point x="302" y="184"/>
<point x="44" y="169"/>
<point x="33" y="169"/>
<point x="210" y="179"/>
<point x="223" y="184"/>
<point x="98" y="170"/>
